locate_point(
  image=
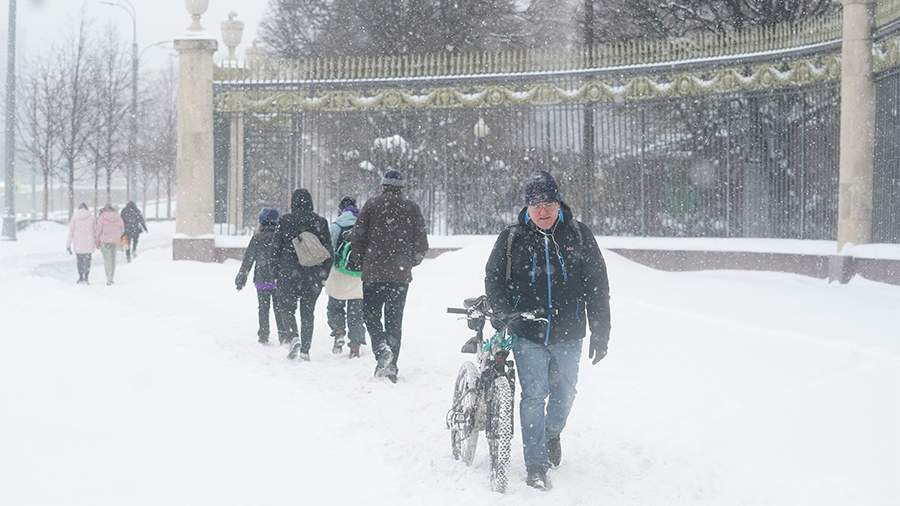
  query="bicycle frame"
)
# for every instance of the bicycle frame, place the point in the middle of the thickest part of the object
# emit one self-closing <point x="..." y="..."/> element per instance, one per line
<point x="484" y="392"/>
<point x="492" y="354"/>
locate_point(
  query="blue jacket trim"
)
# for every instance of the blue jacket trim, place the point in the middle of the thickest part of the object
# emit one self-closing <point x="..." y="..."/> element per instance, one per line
<point x="549" y="290"/>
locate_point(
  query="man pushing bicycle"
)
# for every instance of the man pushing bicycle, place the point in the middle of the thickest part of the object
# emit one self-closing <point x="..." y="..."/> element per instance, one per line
<point x="548" y="261"/>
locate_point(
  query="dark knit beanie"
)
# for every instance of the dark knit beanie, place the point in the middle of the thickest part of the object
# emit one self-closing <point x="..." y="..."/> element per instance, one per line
<point x="268" y="216"/>
<point x="346" y="202"/>
<point x="541" y="188"/>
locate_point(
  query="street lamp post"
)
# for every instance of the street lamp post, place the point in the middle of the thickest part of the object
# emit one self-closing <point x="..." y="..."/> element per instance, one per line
<point x="131" y="175"/>
<point x="481" y="131"/>
<point x="9" y="214"/>
<point x="588" y="129"/>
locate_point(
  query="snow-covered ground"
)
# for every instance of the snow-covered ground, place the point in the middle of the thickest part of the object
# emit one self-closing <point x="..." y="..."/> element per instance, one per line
<point x="720" y="388"/>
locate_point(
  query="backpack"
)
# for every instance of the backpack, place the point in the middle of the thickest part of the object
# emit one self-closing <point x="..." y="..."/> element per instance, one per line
<point x="342" y="253"/>
<point x="309" y="249"/>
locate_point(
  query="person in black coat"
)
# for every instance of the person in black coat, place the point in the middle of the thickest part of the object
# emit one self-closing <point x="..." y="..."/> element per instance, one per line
<point x="261" y="252"/>
<point x="549" y="262"/>
<point x="134" y="226"/>
<point x="294" y="281"/>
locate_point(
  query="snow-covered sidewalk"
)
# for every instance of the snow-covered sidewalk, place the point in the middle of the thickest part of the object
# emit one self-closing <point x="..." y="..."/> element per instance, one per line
<point x="719" y="388"/>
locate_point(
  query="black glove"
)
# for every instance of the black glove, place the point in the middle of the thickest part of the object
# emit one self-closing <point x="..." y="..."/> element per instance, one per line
<point x="597" y="349"/>
<point x="240" y="281"/>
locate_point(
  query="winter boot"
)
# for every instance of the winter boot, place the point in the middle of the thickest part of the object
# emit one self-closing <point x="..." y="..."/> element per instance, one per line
<point x="295" y="349"/>
<point x="537" y="478"/>
<point x="554" y="451"/>
<point x="354" y="350"/>
<point x="304" y="356"/>
<point x="384" y="356"/>
<point x="338" y="347"/>
<point x="391" y="373"/>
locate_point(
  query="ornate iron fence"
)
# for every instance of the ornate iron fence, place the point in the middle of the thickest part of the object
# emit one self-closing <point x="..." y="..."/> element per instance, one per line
<point x="886" y="197"/>
<point x="730" y="136"/>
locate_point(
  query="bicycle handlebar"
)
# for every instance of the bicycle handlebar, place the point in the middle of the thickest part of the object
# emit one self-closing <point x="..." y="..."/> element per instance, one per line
<point x="537" y="315"/>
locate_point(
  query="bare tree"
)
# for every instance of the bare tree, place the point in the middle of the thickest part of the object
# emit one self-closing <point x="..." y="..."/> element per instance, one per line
<point x="158" y="139"/>
<point x="294" y="28"/>
<point x="76" y="98"/>
<point x="668" y="18"/>
<point x="291" y="27"/>
<point x="38" y="123"/>
<point x="110" y="79"/>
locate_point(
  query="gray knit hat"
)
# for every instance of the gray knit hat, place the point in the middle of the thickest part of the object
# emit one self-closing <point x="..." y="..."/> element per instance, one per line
<point x="392" y="177"/>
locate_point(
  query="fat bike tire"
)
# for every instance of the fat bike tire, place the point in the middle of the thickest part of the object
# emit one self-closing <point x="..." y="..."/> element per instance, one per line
<point x="464" y="440"/>
<point x="500" y="432"/>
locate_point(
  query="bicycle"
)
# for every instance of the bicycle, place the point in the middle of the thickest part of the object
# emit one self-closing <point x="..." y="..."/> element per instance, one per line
<point x="484" y="390"/>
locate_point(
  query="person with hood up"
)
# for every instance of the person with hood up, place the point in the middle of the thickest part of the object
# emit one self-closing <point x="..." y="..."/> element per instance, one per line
<point x="261" y="251"/>
<point x="295" y="281"/>
<point x="109" y="231"/>
<point x="548" y="262"/>
<point x="389" y="239"/>
<point x="134" y="225"/>
<point x="81" y="239"/>
<point x="344" y="287"/>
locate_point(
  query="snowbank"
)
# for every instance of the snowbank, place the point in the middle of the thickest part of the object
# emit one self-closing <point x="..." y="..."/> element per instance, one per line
<point x="719" y="388"/>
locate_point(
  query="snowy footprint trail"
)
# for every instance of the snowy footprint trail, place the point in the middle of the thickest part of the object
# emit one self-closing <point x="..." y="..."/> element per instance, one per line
<point x="155" y="391"/>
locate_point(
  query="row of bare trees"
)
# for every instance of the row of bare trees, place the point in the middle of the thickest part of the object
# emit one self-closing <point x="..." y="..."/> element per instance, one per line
<point x="293" y="28"/>
<point x="74" y="117"/>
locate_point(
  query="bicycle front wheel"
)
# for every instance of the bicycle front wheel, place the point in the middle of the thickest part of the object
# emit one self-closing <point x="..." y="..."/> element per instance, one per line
<point x="500" y="432"/>
<point x="463" y="428"/>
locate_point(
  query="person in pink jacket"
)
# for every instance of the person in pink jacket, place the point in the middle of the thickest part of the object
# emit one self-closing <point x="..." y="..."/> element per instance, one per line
<point x="82" y="240"/>
<point x="109" y="231"/>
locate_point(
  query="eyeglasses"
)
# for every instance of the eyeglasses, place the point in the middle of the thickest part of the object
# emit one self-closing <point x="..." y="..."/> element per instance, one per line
<point x="545" y="206"/>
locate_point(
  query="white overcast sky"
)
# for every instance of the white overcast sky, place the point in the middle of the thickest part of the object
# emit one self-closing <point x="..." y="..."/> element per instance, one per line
<point x="40" y="26"/>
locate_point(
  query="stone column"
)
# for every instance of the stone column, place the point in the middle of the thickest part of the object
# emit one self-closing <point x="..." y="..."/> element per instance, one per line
<point x="857" y="133"/>
<point x="194" y="238"/>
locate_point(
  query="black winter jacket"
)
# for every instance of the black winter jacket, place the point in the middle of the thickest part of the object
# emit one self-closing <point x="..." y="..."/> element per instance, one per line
<point x="389" y="238"/>
<point x="300" y="219"/>
<point x="134" y="220"/>
<point x="561" y="271"/>
<point x="261" y="252"/>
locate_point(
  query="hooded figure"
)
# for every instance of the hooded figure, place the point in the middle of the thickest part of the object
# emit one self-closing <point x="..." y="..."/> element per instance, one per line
<point x="296" y="282"/>
<point x="345" y="292"/>
<point x="81" y="240"/>
<point x="81" y="232"/>
<point x="134" y="226"/>
<point x="108" y="234"/>
<point x="260" y="252"/>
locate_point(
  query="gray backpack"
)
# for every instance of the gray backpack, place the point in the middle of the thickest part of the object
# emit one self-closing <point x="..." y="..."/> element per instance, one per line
<point x="309" y="249"/>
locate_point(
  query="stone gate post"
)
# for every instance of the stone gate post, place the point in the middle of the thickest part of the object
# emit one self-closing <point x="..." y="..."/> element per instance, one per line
<point x="194" y="239"/>
<point x="857" y="133"/>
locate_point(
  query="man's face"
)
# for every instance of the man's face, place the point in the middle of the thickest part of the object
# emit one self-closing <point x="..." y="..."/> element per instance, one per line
<point x="544" y="214"/>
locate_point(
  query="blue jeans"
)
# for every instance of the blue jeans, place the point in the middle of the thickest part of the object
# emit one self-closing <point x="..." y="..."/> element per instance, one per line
<point x="545" y="371"/>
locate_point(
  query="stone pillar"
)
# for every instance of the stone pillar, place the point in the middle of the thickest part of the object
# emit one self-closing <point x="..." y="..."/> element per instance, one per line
<point x="857" y="133"/>
<point x="194" y="230"/>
